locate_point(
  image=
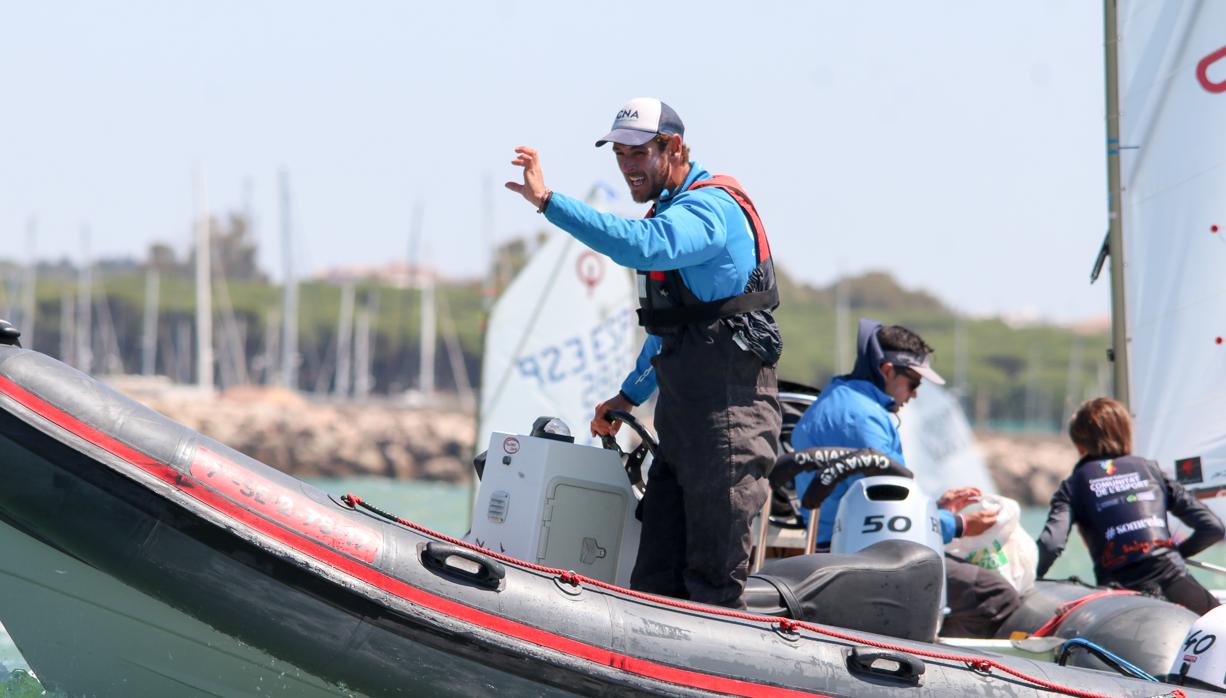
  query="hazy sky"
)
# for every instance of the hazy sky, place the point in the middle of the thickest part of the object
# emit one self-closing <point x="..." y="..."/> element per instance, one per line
<point x="958" y="145"/>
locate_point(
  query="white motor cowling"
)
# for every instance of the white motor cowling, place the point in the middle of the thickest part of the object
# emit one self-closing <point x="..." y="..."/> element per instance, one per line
<point x="1201" y="660"/>
<point x="886" y="507"/>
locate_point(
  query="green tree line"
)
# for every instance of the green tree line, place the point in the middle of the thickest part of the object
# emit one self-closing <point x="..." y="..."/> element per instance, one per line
<point x="1027" y="375"/>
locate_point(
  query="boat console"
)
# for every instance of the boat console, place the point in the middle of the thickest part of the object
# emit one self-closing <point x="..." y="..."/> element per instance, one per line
<point x="547" y="500"/>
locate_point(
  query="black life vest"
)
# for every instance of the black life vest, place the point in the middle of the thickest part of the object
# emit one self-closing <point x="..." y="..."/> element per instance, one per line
<point x="666" y="303"/>
<point x="1120" y="506"/>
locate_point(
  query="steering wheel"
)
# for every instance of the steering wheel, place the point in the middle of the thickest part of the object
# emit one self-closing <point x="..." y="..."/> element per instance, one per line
<point x="633" y="461"/>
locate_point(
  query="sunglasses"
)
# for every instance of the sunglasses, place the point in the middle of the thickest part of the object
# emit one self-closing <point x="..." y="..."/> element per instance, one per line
<point x="912" y="377"/>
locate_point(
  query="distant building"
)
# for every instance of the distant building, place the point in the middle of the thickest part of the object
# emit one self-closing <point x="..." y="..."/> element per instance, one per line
<point x="1028" y="316"/>
<point x="395" y="274"/>
<point x="1098" y="324"/>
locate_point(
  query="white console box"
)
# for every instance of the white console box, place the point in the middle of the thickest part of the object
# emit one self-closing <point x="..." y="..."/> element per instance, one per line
<point x="558" y="504"/>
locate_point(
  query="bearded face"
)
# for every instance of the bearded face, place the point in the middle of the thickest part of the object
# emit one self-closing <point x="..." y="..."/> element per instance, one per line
<point x="645" y="168"/>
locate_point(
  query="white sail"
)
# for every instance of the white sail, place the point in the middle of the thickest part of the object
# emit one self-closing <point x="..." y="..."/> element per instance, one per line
<point x="560" y="339"/>
<point x="1172" y="68"/>
<point x="939" y="445"/>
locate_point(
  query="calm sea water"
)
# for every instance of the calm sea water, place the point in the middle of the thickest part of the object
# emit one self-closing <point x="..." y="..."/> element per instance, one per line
<point x="445" y="508"/>
<point x="442" y="507"/>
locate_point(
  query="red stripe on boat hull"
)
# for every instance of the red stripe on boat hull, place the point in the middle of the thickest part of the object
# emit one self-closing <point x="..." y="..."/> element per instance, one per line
<point x="303" y="544"/>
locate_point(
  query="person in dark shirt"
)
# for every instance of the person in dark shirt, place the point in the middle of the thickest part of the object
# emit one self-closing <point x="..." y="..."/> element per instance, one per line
<point x="1119" y="503"/>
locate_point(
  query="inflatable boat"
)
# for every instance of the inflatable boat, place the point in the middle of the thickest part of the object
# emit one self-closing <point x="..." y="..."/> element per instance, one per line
<point x="1071" y="622"/>
<point x="1066" y="621"/>
<point x="144" y="559"/>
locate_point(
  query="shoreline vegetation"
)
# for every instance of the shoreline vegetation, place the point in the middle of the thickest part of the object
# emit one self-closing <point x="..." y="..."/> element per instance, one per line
<point x="358" y="360"/>
<point x="140" y="319"/>
<point x="317" y="439"/>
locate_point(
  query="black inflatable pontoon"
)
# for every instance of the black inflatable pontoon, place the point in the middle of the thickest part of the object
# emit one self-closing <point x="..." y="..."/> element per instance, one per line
<point x="141" y="558"/>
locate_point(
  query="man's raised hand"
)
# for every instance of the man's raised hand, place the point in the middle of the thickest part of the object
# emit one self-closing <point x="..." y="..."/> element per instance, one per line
<point x="533" y="187"/>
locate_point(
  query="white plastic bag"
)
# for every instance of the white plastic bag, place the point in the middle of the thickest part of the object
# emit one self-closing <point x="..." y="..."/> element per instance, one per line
<point x="1004" y="548"/>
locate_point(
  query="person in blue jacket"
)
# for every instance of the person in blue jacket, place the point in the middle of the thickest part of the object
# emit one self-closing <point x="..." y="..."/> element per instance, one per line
<point x="706" y="285"/>
<point x="858" y="410"/>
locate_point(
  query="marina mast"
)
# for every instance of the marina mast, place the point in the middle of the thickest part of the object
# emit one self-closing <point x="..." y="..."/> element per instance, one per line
<point x="1115" y="234"/>
<point x="204" y="290"/>
<point x="289" y="336"/>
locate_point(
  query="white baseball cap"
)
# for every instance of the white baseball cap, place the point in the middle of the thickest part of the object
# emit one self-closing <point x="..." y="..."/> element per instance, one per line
<point x="642" y="119"/>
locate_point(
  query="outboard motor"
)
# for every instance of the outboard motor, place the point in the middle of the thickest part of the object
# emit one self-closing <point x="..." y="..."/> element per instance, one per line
<point x="887" y="507"/>
<point x="885" y="572"/>
<point x="1201" y="660"/>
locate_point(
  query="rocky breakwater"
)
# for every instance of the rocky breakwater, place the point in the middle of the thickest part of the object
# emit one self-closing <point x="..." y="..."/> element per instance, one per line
<point x="317" y="439"/>
<point x="322" y="439"/>
<point x="1027" y="467"/>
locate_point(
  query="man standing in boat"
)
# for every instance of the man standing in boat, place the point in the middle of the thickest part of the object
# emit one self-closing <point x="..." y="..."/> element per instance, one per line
<point x="706" y="291"/>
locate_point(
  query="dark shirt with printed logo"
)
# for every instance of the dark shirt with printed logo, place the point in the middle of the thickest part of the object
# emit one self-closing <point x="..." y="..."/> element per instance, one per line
<point x="1119" y="505"/>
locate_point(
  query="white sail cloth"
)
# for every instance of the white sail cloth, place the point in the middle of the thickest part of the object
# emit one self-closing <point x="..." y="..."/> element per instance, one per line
<point x="1173" y="172"/>
<point x="559" y="340"/>
<point x="938" y="444"/>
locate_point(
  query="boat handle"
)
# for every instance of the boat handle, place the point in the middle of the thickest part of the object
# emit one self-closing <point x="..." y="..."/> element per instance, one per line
<point x="439" y="557"/>
<point x="862" y="660"/>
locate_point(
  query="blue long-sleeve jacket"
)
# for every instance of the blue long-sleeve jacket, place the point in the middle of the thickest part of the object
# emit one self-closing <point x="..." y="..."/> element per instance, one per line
<point x="851" y="413"/>
<point x="702" y="233"/>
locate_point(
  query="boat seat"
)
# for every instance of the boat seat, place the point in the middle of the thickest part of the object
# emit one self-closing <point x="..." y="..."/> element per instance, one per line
<point x="892" y="588"/>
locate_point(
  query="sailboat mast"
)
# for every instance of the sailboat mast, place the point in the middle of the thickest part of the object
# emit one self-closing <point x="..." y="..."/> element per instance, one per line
<point x="425" y="286"/>
<point x="428" y="335"/>
<point x="68" y="325"/>
<point x="344" y="342"/>
<point x="455" y="354"/>
<point x="289" y="336"/>
<point x="361" y="348"/>
<point x="85" y="302"/>
<point x="149" y="336"/>
<point x="1115" y="235"/>
<point x="29" y="300"/>
<point x="269" y="372"/>
<point x="204" y="291"/>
